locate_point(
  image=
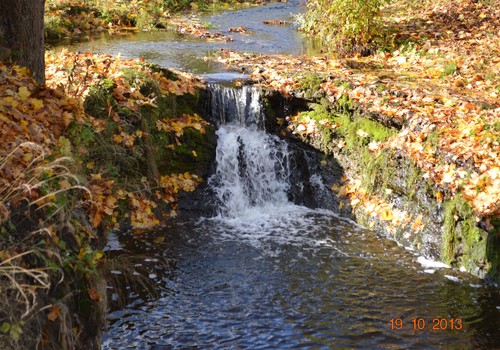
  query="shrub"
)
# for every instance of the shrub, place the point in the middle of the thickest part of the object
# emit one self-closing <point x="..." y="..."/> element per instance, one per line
<point x="345" y="26"/>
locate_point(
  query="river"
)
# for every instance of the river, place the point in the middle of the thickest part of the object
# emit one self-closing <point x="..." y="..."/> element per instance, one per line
<point x="266" y="273"/>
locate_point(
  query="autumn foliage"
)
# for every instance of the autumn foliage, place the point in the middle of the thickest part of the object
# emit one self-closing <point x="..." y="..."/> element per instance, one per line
<point x="132" y="87"/>
<point x="36" y="124"/>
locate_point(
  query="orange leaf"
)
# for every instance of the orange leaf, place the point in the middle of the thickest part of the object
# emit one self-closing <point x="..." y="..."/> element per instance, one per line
<point x="54" y="313"/>
<point x="94" y="295"/>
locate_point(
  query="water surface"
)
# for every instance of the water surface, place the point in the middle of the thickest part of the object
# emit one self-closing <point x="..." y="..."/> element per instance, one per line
<point x="186" y="53"/>
<point x="294" y="278"/>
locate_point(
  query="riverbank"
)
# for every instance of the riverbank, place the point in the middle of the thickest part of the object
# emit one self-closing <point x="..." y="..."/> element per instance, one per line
<point x="107" y="143"/>
<point x="430" y="107"/>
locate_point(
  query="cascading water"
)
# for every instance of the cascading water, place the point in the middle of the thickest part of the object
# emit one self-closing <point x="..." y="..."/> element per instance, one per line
<point x="252" y="170"/>
<point x="252" y="166"/>
<point x="236" y="106"/>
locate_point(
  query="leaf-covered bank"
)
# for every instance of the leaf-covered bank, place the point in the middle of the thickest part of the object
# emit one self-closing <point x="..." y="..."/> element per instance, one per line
<point x="106" y="143"/>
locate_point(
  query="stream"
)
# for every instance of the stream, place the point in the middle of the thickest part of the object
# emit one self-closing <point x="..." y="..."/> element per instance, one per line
<point x="264" y="272"/>
<point x="173" y="50"/>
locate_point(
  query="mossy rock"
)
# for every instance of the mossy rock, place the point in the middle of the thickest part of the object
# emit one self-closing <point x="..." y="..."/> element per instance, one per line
<point x="464" y="243"/>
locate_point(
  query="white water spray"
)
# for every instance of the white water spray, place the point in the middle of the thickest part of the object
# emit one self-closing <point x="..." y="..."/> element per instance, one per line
<point x="252" y="166"/>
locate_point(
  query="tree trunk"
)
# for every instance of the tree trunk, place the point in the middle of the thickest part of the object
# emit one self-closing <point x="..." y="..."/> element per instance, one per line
<point x="21" y="34"/>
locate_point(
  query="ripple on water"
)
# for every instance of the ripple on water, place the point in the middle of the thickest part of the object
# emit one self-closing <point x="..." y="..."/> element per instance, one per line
<point x="296" y="283"/>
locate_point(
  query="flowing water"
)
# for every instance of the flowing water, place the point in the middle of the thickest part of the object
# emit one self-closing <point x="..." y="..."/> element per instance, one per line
<point x="172" y="50"/>
<point x="265" y="273"/>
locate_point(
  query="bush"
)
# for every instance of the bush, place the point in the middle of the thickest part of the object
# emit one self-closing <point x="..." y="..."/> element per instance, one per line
<point x="345" y="26"/>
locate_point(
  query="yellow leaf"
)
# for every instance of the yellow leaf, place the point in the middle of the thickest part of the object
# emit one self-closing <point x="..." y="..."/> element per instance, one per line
<point x="23" y="93"/>
<point x="98" y="255"/>
<point x="67" y="118"/>
<point x="96" y="220"/>
<point x="10" y="100"/>
<point x="27" y="157"/>
<point x="439" y="196"/>
<point x="24" y="125"/>
<point x="159" y="239"/>
<point x="417" y="224"/>
<point x="387" y="216"/>
<point x="37" y="104"/>
<point x="118" y="138"/>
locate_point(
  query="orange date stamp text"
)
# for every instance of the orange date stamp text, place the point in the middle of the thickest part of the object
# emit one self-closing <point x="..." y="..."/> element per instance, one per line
<point x="421" y="324"/>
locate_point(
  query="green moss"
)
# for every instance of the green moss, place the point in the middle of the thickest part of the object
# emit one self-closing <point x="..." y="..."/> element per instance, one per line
<point x="493" y="249"/>
<point x="378" y="171"/>
<point x="449" y="68"/>
<point x="194" y="152"/>
<point x="433" y="139"/>
<point x="463" y="242"/>
<point x="413" y="176"/>
<point x="350" y="126"/>
<point x="309" y="84"/>
<point x="356" y="132"/>
<point x="344" y="105"/>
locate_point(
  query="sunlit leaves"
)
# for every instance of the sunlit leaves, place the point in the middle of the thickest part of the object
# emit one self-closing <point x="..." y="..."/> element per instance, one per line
<point x="77" y="73"/>
<point x="108" y="202"/>
<point x="376" y="207"/>
<point x="30" y="130"/>
<point x="177" y="125"/>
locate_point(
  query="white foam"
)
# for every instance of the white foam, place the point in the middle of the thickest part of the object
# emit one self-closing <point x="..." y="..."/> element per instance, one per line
<point x="452" y="278"/>
<point x="427" y="263"/>
<point x="268" y="227"/>
<point x="113" y="243"/>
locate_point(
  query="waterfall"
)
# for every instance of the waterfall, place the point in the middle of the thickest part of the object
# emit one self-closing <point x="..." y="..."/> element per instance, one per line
<point x="237" y="106"/>
<point x="252" y="166"/>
